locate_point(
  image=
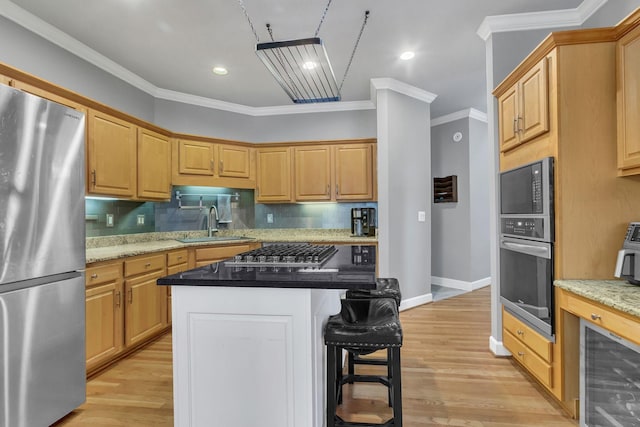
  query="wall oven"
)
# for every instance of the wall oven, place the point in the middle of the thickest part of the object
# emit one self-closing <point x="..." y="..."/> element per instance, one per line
<point x="526" y="244"/>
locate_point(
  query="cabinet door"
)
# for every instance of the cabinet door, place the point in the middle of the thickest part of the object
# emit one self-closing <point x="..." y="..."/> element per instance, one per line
<point x="628" y="100"/>
<point x="507" y="116"/>
<point x="234" y="161"/>
<point x="103" y="313"/>
<point x="111" y="155"/>
<point x="312" y="171"/>
<point x="154" y="165"/>
<point x="5" y="80"/>
<point x="146" y="308"/>
<point x="354" y="172"/>
<point x="196" y="158"/>
<point x="533" y="119"/>
<point x="274" y="175"/>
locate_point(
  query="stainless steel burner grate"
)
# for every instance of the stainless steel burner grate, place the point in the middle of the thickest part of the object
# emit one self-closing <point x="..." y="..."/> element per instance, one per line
<point x="284" y="255"/>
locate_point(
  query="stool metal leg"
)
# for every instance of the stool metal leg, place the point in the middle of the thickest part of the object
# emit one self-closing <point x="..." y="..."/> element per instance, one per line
<point x="397" y="386"/>
<point x="339" y="374"/>
<point x="389" y="376"/>
<point x="351" y="362"/>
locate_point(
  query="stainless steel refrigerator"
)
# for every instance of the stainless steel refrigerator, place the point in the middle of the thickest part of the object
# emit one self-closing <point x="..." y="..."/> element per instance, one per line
<point x="42" y="244"/>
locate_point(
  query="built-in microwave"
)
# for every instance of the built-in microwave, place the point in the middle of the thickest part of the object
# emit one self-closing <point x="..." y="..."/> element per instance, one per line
<point x="526" y="201"/>
<point x="526" y="244"/>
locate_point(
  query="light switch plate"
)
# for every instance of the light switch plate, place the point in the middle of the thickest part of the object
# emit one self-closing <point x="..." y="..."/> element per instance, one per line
<point x="422" y="216"/>
<point x="269" y="218"/>
<point x="140" y="220"/>
<point x="109" y="220"/>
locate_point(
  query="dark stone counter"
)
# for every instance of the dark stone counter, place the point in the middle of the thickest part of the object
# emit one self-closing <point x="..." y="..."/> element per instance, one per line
<point x="351" y="267"/>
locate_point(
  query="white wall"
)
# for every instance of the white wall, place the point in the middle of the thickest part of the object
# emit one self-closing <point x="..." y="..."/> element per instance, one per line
<point x="460" y="231"/>
<point x="404" y="176"/>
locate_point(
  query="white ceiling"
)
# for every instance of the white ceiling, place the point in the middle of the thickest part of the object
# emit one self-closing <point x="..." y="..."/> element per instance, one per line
<point x="173" y="44"/>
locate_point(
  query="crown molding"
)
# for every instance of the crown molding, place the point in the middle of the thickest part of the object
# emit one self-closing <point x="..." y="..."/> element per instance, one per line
<point x="539" y="20"/>
<point x="403" y="88"/>
<point x="202" y="101"/>
<point x="470" y="113"/>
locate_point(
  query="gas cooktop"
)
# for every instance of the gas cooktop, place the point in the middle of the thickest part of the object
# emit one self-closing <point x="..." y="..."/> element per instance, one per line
<point x="298" y="255"/>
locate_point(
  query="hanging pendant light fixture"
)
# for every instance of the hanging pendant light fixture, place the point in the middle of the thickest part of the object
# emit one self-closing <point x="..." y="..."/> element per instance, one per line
<point x="302" y="67"/>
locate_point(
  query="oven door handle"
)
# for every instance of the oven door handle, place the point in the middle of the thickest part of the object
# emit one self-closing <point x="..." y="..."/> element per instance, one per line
<point x="539" y="251"/>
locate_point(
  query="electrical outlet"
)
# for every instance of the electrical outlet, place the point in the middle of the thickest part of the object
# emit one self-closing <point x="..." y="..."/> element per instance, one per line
<point x="269" y="218"/>
<point x="422" y="216"/>
<point x="140" y="220"/>
<point x="110" y="221"/>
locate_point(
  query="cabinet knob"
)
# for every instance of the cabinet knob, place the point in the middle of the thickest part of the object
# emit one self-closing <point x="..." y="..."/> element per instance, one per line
<point x="519" y="332"/>
<point x="147" y="265"/>
<point x="93" y="177"/>
<point x="94" y="276"/>
<point x="520" y="353"/>
<point x="595" y="316"/>
<point x="221" y="166"/>
<point x="118" y="301"/>
<point x="328" y="190"/>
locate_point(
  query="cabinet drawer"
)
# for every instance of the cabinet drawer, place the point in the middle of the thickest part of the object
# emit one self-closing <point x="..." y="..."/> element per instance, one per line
<point x="528" y="336"/>
<point x="178" y="268"/>
<point x="177" y="257"/>
<point x="604" y="317"/>
<point x="143" y="265"/>
<point x="529" y="359"/>
<point x="219" y="253"/>
<point x="103" y="274"/>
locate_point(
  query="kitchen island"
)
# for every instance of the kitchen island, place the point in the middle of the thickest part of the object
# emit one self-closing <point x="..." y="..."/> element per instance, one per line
<point x="247" y="341"/>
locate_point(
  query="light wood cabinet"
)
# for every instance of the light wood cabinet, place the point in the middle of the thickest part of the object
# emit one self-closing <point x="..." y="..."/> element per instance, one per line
<point x="523" y="109"/>
<point x="177" y="262"/>
<point x="208" y="163"/>
<point x="34" y="90"/>
<point x="212" y="254"/>
<point x="628" y="102"/>
<point x="146" y="302"/>
<point x="5" y="80"/>
<point x="354" y="172"/>
<point x="339" y="172"/>
<point x="529" y="348"/>
<point x="111" y="155"/>
<point x="154" y="165"/>
<point x="313" y="166"/>
<point x="104" y="314"/>
<point x="274" y="175"/>
<point x="234" y="161"/>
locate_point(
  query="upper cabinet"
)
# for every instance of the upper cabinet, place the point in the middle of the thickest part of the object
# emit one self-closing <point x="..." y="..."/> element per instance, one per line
<point x="336" y="172"/>
<point x="154" y="165"/>
<point x="524" y="108"/>
<point x="274" y="175"/>
<point x="628" y="102"/>
<point x="205" y="162"/>
<point x="5" y="80"/>
<point x="111" y="155"/>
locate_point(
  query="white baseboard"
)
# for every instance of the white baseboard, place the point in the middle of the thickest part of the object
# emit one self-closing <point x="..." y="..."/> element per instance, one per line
<point x="459" y="284"/>
<point x="416" y="301"/>
<point x="498" y="348"/>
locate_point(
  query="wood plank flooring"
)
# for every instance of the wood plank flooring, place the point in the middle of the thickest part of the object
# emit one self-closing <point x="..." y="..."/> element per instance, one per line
<point x="449" y="378"/>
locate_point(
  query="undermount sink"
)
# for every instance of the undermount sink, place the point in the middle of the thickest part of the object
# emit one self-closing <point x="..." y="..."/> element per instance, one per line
<point x="213" y="239"/>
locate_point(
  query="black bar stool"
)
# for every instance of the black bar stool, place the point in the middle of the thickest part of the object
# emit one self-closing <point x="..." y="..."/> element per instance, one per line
<point x="363" y="326"/>
<point x="385" y="288"/>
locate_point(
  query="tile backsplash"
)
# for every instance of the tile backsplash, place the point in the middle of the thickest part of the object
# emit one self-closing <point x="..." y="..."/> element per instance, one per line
<point x="168" y="216"/>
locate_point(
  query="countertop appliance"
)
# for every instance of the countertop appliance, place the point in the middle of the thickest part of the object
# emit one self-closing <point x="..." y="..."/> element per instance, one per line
<point x="42" y="297"/>
<point x="628" y="262"/>
<point x="363" y="221"/>
<point x="526" y="244"/>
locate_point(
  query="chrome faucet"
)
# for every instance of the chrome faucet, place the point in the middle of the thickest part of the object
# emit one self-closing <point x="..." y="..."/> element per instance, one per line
<point x="211" y="229"/>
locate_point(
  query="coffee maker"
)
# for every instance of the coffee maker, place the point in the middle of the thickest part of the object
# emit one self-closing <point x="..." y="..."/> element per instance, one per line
<point x="363" y="221"/>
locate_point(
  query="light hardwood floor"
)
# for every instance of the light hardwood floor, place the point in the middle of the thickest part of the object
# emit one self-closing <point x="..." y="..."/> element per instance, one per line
<point x="449" y="378"/>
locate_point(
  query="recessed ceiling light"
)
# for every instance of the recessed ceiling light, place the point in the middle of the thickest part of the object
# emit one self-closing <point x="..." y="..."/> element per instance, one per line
<point x="221" y="71"/>
<point x="407" y="55"/>
<point x="309" y="65"/>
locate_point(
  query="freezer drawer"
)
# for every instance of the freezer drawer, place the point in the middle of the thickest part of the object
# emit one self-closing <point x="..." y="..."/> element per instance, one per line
<point x="42" y="356"/>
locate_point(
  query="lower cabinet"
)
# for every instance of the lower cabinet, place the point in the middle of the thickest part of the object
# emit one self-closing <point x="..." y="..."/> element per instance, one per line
<point x="533" y="351"/>
<point x="146" y="302"/>
<point x="209" y="255"/>
<point x="104" y="314"/>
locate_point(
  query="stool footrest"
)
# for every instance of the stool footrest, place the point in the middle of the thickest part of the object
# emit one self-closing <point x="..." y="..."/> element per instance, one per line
<point x="342" y="423"/>
<point x="360" y="361"/>
<point x="348" y="379"/>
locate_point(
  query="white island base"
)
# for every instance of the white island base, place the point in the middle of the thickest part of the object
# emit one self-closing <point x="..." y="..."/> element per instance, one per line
<point x="249" y="357"/>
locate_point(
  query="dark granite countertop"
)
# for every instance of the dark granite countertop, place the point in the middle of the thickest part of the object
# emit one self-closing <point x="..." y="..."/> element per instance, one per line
<point x="351" y="267"/>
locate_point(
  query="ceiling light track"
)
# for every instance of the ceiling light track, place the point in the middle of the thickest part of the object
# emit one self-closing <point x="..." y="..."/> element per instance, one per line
<point x="302" y="67"/>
